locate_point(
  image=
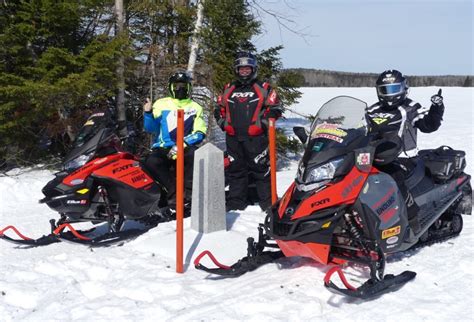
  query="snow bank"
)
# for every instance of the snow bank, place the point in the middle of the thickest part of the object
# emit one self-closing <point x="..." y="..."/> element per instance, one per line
<point x="137" y="281"/>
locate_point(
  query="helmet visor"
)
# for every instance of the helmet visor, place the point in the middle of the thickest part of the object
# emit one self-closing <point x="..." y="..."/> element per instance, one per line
<point x="180" y="85"/>
<point x="245" y="61"/>
<point x="391" y="89"/>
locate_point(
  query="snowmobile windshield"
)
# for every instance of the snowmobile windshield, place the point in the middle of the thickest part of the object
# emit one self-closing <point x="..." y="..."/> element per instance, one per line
<point x="96" y="130"/>
<point x="338" y="123"/>
<point x="91" y="127"/>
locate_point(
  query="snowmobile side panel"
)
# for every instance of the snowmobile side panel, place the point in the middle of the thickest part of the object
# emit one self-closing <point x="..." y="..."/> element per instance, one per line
<point x="126" y="171"/>
<point x="130" y="187"/>
<point x="384" y="211"/>
<point x="343" y="192"/>
<point x="79" y="176"/>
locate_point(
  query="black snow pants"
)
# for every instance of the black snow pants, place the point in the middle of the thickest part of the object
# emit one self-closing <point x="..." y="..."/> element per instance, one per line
<point x="249" y="156"/>
<point x="163" y="170"/>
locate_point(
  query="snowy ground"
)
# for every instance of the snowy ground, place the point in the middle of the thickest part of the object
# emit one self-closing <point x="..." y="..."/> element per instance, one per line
<point x="137" y="281"/>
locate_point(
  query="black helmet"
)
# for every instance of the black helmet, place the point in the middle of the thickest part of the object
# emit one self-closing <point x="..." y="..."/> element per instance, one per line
<point x="179" y="85"/>
<point x="245" y="59"/>
<point x="392" y="88"/>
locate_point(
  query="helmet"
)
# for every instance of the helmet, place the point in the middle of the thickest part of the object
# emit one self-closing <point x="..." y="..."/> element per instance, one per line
<point x="179" y="85"/>
<point x="392" y="88"/>
<point x="245" y="59"/>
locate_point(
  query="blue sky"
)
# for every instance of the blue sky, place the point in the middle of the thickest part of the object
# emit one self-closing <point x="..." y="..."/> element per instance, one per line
<point x="417" y="37"/>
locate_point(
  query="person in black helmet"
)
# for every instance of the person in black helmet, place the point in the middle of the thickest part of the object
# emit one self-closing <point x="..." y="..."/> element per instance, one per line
<point x="243" y="111"/>
<point x="161" y="120"/>
<point x="398" y="114"/>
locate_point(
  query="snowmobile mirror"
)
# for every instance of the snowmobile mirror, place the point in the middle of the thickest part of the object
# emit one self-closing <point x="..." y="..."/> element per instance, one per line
<point x="301" y="133"/>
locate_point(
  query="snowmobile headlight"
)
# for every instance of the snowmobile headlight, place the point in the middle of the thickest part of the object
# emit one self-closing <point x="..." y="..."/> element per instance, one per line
<point x="323" y="172"/>
<point x="78" y="162"/>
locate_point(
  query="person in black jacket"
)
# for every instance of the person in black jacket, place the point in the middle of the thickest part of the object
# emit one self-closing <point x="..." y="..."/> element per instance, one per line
<point x="243" y="111"/>
<point x="397" y="114"/>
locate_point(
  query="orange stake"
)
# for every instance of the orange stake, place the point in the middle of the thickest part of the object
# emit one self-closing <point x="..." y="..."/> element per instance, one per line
<point x="272" y="147"/>
<point x="179" y="192"/>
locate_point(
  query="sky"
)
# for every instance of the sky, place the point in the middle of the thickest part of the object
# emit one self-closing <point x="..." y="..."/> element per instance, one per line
<point x="417" y="37"/>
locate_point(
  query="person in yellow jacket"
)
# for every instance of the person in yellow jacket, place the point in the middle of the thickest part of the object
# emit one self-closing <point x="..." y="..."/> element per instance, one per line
<point x="161" y="120"/>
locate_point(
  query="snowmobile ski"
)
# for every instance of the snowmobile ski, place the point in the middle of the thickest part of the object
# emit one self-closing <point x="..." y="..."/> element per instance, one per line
<point x="79" y="236"/>
<point x="26" y="241"/>
<point x="255" y="258"/>
<point x="370" y="289"/>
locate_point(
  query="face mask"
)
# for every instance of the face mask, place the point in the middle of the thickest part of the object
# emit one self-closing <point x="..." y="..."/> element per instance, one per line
<point x="180" y="90"/>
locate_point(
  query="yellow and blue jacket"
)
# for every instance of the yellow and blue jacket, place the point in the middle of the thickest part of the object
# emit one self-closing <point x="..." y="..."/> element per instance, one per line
<point x="162" y="121"/>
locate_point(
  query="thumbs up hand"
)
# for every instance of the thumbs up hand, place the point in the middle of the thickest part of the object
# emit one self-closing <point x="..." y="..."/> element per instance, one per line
<point x="147" y="107"/>
<point x="437" y="99"/>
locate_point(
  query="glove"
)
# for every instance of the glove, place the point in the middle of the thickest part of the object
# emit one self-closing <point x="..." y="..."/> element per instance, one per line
<point x="173" y="153"/>
<point x="274" y="113"/>
<point x="437" y="99"/>
<point x="217" y="115"/>
<point x="147" y="107"/>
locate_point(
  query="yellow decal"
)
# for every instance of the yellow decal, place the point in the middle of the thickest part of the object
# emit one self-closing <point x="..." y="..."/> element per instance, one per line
<point x="326" y="225"/>
<point x="379" y="120"/>
<point x="83" y="191"/>
<point x="331" y="131"/>
<point x="391" y="232"/>
<point x="89" y="122"/>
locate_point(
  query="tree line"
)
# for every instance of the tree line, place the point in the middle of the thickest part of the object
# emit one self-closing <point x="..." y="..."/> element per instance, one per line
<point x="60" y="61"/>
<point x="327" y="78"/>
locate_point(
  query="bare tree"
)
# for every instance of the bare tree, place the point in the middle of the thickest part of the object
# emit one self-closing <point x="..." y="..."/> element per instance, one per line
<point x="284" y="20"/>
<point x="121" y="115"/>
<point x="195" y="40"/>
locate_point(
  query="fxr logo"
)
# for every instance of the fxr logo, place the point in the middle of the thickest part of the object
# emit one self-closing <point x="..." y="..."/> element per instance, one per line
<point x="319" y="202"/>
<point x="388" y="79"/>
<point x="243" y="95"/>
<point x="122" y="168"/>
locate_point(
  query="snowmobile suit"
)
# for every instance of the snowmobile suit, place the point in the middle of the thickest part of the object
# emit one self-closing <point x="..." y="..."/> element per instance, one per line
<point x="242" y="112"/>
<point x="405" y="119"/>
<point x="162" y="122"/>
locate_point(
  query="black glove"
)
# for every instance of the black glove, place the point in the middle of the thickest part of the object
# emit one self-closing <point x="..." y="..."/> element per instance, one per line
<point x="173" y="153"/>
<point x="274" y="113"/>
<point x="437" y="99"/>
<point x="217" y="113"/>
<point x="219" y="119"/>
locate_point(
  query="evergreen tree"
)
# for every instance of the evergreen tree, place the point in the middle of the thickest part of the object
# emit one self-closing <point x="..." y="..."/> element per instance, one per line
<point x="53" y="66"/>
<point x="58" y="62"/>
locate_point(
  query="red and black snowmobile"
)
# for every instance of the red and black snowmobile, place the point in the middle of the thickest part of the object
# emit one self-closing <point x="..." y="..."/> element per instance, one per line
<point x="99" y="183"/>
<point x="341" y="208"/>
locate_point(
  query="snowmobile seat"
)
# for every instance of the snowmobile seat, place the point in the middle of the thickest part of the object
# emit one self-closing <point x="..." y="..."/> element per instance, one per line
<point x="416" y="174"/>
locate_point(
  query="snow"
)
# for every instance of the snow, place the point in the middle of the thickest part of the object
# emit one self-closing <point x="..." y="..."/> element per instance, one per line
<point x="137" y="281"/>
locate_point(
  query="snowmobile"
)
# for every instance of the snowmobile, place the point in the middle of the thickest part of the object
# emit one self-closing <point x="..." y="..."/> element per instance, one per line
<point x="341" y="209"/>
<point x="100" y="182"/>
